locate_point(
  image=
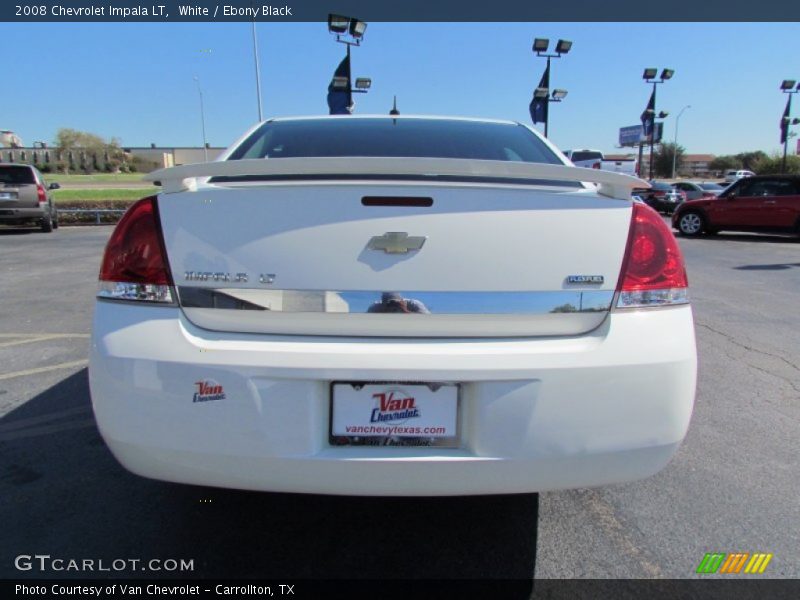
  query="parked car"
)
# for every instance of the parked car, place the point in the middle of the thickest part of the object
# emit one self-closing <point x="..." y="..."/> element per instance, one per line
<point x="253" y="326"/>
<point x="25" y="197"/>
<point x="768" y="203"/>
<point x="661" y="196"/>
<point x="736" y="175"/>
<point x="594" y="159"/>
<point x="694" y="190"/>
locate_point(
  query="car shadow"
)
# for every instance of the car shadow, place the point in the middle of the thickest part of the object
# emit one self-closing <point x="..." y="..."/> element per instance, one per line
<point x="18" y="231"/>
<point x="62" y="493"/>
<point x="775" y="267"/>
<point x="744" y="237"/>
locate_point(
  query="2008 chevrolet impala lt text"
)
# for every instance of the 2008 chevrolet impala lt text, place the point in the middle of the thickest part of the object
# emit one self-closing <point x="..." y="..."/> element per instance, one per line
<point x="392" y="305"/>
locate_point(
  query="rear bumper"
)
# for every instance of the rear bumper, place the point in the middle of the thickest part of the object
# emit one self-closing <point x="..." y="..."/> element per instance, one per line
<point x="536" y="414"/>
<point x="17" y="215"/>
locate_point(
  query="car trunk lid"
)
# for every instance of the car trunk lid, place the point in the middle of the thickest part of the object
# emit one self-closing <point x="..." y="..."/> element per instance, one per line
<point x="340" y="257"/>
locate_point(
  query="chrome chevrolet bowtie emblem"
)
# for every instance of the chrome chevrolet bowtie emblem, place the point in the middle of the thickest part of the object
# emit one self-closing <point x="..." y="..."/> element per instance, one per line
<point x="396" y="242"/>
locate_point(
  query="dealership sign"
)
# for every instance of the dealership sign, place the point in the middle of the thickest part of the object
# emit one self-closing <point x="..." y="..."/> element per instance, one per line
<point x="633" y="135"/>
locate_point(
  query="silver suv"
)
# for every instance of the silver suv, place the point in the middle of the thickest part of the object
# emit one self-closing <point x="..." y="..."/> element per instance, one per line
<point x="25" y="197"/>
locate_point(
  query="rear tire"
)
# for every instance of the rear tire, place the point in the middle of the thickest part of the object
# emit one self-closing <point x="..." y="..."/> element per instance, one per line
<point x="47" y="223"/>
<point x="691" y="224"/>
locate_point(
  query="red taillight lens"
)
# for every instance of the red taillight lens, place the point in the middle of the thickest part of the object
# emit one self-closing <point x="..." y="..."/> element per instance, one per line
<point x="135" y="261"/>
<point x="596" y="165"/>
<point x="653" y="273"/>
<point x="41" y="193"/>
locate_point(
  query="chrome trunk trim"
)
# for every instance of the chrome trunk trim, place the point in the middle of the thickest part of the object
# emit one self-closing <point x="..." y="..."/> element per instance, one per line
<point x="430" y="314"/>
<point x="359" y="302"/>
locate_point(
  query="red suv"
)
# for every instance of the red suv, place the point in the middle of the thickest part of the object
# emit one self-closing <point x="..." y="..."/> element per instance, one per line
<point x="767" y="204"/>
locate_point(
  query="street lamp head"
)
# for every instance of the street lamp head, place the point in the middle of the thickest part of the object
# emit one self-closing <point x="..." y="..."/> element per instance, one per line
<point x="363" y="83"/>
<point x="338" y="24"/>
<point x="559" y="95"/>
<point x="563" y="46"/>
<point x="340" y="83"/>
<point x="787" y="84"/>
<point x="357" y="28"/>
<point x="649" y="74"/>
<point x="541" y="92"/>
<point x="540" y="44"/>
<point x="663" y="114"/>
<point x="667" y="74"/>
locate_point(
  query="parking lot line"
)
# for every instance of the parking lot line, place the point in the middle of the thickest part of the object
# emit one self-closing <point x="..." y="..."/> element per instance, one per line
<point x="66" y="365"/>
<point x="42" y="338"/>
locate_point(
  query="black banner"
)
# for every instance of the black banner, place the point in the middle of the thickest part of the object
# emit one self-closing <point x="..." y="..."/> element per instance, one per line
<point x="407" y="10"/>
<point x="501" y="589"/>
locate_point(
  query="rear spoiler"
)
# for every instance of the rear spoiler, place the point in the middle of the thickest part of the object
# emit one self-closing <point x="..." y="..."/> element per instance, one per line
<point x="184" y="177"/>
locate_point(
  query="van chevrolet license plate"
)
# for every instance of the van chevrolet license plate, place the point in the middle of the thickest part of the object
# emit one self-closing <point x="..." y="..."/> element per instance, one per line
<point x="394" y="414"/>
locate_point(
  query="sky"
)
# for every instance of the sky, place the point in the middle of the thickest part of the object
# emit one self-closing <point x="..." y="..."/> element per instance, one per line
<point x="135" y="81"/>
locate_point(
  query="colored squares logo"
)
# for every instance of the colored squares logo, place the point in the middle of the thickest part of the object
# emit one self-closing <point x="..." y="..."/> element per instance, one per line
<point x="737" y="562"/>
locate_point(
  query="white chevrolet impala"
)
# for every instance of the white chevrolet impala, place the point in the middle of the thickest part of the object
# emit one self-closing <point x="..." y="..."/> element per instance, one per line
<point x="392" y="306"/>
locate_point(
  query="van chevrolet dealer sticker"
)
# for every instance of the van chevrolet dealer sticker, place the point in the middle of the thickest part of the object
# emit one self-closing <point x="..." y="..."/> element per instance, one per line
<point x="391" y="410"/>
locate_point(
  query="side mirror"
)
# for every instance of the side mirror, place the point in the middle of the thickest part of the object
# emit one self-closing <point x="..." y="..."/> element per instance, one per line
<point x="54" y="186"/>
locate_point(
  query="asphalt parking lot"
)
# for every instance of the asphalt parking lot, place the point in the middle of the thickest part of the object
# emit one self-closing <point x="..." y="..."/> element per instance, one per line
<point x="731" y="488"/>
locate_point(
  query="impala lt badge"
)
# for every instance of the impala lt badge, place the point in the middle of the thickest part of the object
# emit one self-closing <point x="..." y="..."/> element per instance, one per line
<point x="396" y="242"/>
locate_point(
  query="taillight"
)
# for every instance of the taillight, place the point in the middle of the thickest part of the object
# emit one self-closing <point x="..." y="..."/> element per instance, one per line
<point x="135" y="261"/>
<point x="41" y="194"/>
<point x="653" y="273"/>
<point x="596" y="165"/>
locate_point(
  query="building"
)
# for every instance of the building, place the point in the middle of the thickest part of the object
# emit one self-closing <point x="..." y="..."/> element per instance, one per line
<point x="144" y="158"/>
<point x="9" y="139"/>
<point x="172" y="156"/>
<point x="694" y="165"/>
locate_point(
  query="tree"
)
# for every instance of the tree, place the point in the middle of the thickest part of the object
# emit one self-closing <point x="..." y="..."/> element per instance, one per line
<point x="662" y="159"/>
<point x="743" y="160"/>
<point x="772" y="165"/>
<point x="748" y="160"/>
<point x="724" y="163"/>
<point x="93" y="148"/>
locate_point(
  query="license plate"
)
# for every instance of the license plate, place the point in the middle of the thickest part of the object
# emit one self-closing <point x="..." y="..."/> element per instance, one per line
<point x="394" y="414"/>
<point x="7" y="196"/>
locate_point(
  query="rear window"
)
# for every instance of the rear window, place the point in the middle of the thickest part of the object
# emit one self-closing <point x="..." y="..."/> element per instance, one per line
<point x="404" y="137"/>
<point x="16" y="175"/>
<point x="711" y="186"/>
<point x="586" y="155"/>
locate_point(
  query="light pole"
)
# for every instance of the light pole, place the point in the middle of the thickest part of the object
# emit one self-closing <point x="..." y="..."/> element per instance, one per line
<point x="649" y="76"/>
<point x="354" y="30"/>
<point x="542" y="94"/>
<point x="675" y="142"/>
<point x="202" y="118"/>
<point x="258" y="72"/>
<point x="786" y="120"/>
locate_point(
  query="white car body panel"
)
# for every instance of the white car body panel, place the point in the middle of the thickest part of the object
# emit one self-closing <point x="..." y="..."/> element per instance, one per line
<point x="537" y="414"/>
